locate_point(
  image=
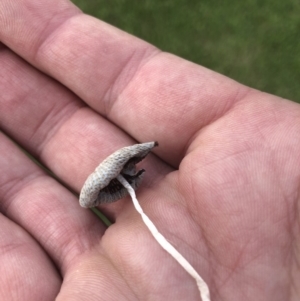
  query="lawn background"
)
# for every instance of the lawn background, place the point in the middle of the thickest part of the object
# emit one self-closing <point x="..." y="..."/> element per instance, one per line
<point x="254" y="42"/>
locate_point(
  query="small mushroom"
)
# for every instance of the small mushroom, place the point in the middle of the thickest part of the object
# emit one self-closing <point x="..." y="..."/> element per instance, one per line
<point x="116" y="177"/>
<point x="102" y="186"/>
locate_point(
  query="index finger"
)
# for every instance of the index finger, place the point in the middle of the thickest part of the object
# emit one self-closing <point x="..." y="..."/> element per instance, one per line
<point x="150" y="94"/>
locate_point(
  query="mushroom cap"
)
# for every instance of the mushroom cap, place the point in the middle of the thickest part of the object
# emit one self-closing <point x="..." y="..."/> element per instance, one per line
<point x="102" y="186"/>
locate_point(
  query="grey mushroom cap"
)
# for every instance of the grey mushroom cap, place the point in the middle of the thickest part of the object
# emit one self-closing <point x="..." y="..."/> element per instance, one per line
<point x="102" y="186"/>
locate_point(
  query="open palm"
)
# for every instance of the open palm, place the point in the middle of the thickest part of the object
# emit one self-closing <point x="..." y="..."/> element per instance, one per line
<point x="223" y="186"/>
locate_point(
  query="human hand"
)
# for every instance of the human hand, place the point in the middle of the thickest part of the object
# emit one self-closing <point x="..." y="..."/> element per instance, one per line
<point x="223" y="187"/>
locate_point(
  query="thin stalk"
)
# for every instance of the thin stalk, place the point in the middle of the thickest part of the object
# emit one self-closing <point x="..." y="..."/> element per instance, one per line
<point x="202" y="286"/>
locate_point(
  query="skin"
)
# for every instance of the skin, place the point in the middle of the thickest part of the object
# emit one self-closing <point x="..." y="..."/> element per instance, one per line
<point x="223" y="186"/>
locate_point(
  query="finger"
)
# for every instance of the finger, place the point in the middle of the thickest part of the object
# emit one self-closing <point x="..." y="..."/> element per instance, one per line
<point x="151" y="95"/>
<point x="55" y="126"/>
<point x="44" y="208"/>
<point x="26" y="271"/>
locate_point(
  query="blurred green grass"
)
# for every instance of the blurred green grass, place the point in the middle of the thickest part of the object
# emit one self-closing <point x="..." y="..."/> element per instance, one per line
<point x="254" y="42"/>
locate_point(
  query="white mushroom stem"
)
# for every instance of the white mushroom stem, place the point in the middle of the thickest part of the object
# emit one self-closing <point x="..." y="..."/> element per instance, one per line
<point x="202" y="286"/>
